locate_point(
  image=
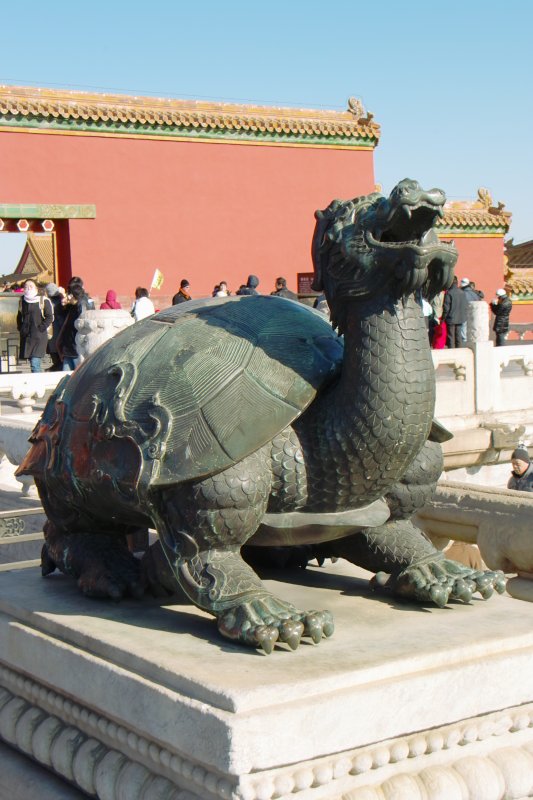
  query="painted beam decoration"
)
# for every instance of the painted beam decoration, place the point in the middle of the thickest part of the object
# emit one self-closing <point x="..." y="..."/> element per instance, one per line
<point x="46" y="211"/>
<point x="51" y="111"/>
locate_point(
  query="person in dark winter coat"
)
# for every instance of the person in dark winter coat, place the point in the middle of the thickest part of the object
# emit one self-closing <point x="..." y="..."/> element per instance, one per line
<point x="251" y="286"/>
<point x="182" y="295"/>
<point x="282" y="291"/>
<point x="454" y="314"/>
<point x="79" y="281"/>
<point x="501" y="307"/>
<point x="471" y="295"/>
<point x="522" y="475"/>
<point x="35" y="315"/>
<point x="479" y="293"/>
<point x="56" y="297"/>
<point x="78" y="301"/>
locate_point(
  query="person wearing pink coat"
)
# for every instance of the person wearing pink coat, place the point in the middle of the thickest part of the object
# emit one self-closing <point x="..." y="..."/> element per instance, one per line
<point x="110" y="300"/>
<point x="439" y="336"/>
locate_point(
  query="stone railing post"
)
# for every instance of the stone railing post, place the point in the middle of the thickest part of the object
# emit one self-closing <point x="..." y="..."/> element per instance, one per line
<point x="477" y="338"/>
<point x="486" y="375"/>
<point x="477" y="322"/>
<point x="498" y="520"/>
<point x="26" y="394"/>
<point x="96" y="327"/>
<point x="27" y="387"/>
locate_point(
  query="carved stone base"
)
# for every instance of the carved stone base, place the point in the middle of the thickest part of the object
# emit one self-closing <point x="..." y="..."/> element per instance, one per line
<point x="146" y="702"/>
<point x="22" y="779"/>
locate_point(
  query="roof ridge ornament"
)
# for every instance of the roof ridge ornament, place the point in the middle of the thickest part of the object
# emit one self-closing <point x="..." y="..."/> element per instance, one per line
<point x="485" y="197"/>
<point x="355" y="107"/>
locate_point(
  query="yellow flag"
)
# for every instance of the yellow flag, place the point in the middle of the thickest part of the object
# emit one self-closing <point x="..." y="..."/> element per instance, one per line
<point x="157" y="280"/>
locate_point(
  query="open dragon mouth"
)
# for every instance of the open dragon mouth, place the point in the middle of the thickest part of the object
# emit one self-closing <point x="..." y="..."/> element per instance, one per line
<point x="409" y="239"/>
<point x="375" y="246"/>
<point x="408" y="225"/>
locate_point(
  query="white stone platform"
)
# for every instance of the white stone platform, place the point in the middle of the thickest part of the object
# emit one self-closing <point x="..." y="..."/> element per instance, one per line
<point x="144" y="701"/>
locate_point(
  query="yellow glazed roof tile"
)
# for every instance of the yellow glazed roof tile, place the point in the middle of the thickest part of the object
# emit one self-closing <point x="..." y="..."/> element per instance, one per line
<point x="354" y="123"/>
<point x="37" y="258"/>
<point x="478" y="214"/>
<point x="520" y="281"/>
<point x="519" y="255"/>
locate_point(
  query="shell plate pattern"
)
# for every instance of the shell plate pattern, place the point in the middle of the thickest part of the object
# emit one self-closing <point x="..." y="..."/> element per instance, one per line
<point x="201" y="385"/>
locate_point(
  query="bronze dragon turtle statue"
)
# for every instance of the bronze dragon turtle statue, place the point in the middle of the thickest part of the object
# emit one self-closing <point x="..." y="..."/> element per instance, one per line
<point x="249" y="420"/>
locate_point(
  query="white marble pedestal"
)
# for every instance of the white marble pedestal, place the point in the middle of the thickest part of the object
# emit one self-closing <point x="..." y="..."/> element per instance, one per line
<point x="144" y="701"/>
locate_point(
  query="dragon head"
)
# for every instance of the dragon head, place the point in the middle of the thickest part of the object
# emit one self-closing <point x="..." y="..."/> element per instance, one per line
<point x="377" y="245"/>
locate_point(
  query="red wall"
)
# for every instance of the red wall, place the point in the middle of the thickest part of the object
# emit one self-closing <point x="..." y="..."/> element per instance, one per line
<point x="202" y="211"/>
<point x="481" y="260"/>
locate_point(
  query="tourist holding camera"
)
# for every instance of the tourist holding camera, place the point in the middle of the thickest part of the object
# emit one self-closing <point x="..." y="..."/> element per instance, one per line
<point x="501" y="308"/>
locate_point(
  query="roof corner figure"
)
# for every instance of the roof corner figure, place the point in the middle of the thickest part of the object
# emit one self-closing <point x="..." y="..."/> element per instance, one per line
<point x="248" y="420"/>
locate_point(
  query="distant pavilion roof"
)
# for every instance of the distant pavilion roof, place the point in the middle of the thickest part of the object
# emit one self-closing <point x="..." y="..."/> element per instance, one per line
<point x="48" y="109"/>
<point x="480" y="217"/>
<point x="519" y="273"/>
<point x="36" y="261"/>
<point x="520" y="256"/>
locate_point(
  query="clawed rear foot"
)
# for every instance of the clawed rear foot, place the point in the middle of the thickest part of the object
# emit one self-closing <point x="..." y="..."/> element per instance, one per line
<point x="440" y="580"/>
<point x="264" y="620"/>
<point x="103" y="566"/>
<point x="116" y="584"/>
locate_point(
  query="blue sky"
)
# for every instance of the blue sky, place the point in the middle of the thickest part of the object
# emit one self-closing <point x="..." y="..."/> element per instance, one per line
<point x="450" y="83"/>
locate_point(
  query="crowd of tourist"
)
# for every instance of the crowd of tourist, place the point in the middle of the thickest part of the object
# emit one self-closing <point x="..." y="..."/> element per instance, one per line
<point x="46" y="323"/>
<point x="249" y="288"/>
<point x="447" y="317"/>
<point x="46" y="319"/>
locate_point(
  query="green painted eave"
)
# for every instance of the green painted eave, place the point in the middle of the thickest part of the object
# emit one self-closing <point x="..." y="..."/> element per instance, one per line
<point x="110" y="127"/>
<point x="46" y="211"/>
<point x="480" y="230"/>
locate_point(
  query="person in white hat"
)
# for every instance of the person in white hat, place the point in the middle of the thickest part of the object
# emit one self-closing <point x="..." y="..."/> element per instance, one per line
<point x="471" y="295"/>
<point x="501" y="307"/>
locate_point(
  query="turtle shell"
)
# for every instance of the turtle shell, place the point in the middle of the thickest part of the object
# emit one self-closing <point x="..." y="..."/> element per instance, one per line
<point x="201" y="385"/>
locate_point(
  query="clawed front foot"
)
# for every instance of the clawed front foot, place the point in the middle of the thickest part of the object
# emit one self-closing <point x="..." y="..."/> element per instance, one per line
<point x="440" y="580"/>
<point x="264" y="620"/>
